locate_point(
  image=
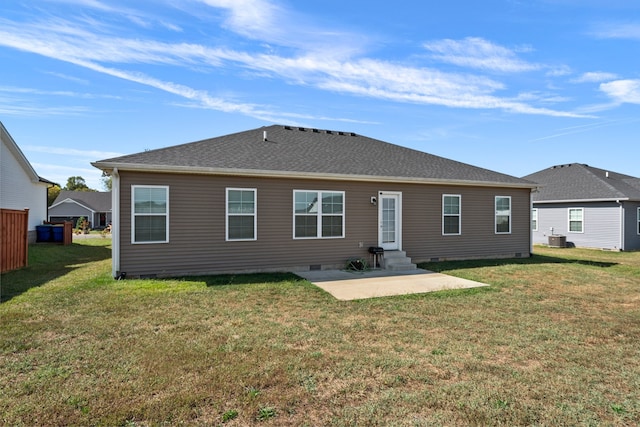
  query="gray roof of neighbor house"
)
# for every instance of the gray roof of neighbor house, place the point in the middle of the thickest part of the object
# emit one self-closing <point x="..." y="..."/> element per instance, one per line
<point x="311" y="153"/>
<point x="577" y="181"/>
<point x="95" y="200"/>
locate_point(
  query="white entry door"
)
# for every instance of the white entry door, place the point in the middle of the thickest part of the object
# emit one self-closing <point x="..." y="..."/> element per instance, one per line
<point x="389" y="218"/>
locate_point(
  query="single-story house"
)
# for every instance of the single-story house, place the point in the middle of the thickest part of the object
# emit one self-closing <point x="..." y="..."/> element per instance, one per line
<point x="283" y="198"/>
<point x="588" y="206"/>
<point x="20" y="185"/>
<point x="94" y="206"/>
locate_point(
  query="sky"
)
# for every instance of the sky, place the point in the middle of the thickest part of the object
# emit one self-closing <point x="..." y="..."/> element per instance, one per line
<point x="515" y="86"/>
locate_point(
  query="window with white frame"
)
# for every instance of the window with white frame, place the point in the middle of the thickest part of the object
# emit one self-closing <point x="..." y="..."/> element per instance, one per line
<point x="318" y="214"/>
<point x="241" y="214"/>
<point x="451" y="208"/>
<point x="503" y="214"/>
<point x="149" y="214"/>
<point x="639" y="221"/>
<point x="576" y="220"/>
<point x="534" y="219"/>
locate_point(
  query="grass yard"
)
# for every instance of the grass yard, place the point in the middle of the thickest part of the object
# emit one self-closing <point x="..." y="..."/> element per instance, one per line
<point x="553" y="341"/>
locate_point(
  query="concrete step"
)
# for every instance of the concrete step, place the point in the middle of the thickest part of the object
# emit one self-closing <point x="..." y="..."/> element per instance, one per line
<point x="397" y="261"/>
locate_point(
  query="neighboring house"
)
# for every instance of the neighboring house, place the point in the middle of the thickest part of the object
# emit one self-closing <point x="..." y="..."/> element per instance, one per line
<point x="287" y="198"/>
<point x="20" y="185"/>
<point x="592" y="207"/>
<point x="94" y="206"/>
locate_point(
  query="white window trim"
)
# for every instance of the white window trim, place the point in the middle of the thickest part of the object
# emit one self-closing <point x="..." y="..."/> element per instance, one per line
<point x="254" y="214"/>
<point x="569" y="220"/>
<point x="319" y="215"/>
<point x="638" y="228"/>
<point x="534" y="216"/>
<point x="495" y="216"/>
<point x="133" y="215"/>
<point x="459" y="215"/>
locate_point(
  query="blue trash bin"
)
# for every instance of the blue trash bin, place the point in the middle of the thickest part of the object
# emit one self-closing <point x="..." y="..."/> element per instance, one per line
<point x="58" y="233"/>
<point x="43" y="233"/>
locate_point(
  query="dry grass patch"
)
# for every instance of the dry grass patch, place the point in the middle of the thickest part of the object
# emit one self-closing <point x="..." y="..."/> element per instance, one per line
<point x="553" y="341"/>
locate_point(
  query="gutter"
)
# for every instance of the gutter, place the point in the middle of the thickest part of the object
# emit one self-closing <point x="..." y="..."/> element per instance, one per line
<point x="581" y="200"/>
<point x="302" y="175"/>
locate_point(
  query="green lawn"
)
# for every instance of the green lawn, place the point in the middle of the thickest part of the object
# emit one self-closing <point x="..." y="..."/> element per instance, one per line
<point x="553" y="341"/>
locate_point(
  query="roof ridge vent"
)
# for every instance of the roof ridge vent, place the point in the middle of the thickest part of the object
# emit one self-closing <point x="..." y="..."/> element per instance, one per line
<point x="302" y="129"/>
<point x="315" y="130"/>
<point x="287" y="127"/>
<point x="329" y="132"/>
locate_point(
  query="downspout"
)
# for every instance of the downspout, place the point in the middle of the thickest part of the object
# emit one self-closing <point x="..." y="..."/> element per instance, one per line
<point x="622" y="224"/>
<point x="115" y="223"/>
<point x="531" y="220"/>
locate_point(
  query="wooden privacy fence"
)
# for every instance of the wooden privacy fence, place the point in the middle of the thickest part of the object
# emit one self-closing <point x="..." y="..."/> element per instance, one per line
<point x="14" y="244"/>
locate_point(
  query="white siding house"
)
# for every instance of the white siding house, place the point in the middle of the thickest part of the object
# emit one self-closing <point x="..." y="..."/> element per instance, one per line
<point x="20" y="185"/>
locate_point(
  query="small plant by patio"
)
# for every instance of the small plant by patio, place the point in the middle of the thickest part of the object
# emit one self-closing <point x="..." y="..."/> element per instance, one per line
<point x="357" y="264"/>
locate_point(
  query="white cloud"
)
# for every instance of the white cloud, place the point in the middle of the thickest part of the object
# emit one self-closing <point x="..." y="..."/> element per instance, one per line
<point x="65" y="93"/>
<point x="253" y="18"/>
<point x="271" y="23"/>
<point x="585" y="128"/>
<point x="476" y="52"/>
<point x="19" y="101"/>
<point x="67" y="77"/>
<point x="93" y="4"/>
<point x="59" y="173"/>
<point x="71" y="170"/>
<point x="13" y="105"/>
<point x="594" y="77"/>
<point x="90" y="154"/>
<point x="623" y="91"/>
<point x="322" y="69"/>
<point x="558" y="71"/>
<point x="131" y="15"/>
<point x="630" y="31"/>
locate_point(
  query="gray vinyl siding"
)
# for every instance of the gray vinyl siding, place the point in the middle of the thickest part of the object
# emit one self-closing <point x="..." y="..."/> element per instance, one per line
<point x="69" y="209"/>
<point x="197" y="226"/>
<point x="601" y="224"/>
<point x="632" y="238"/>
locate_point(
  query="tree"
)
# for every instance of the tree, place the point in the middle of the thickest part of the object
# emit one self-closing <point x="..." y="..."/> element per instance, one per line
<point x="52" y="194"/>
<point x="77" y="183"/>
<point x="106" y="180"/>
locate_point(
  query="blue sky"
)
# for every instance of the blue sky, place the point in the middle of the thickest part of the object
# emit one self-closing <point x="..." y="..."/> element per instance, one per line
<point x="510" y="85"/>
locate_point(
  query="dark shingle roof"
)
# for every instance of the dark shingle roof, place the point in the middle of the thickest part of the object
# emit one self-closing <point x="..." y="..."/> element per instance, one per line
<point x="293" y="151"/>
<point x="577" y="181"/>
<point x="98" y="201"/>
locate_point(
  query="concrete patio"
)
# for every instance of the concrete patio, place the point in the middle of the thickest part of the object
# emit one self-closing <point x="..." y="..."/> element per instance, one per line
<point x="353" y="285"/>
